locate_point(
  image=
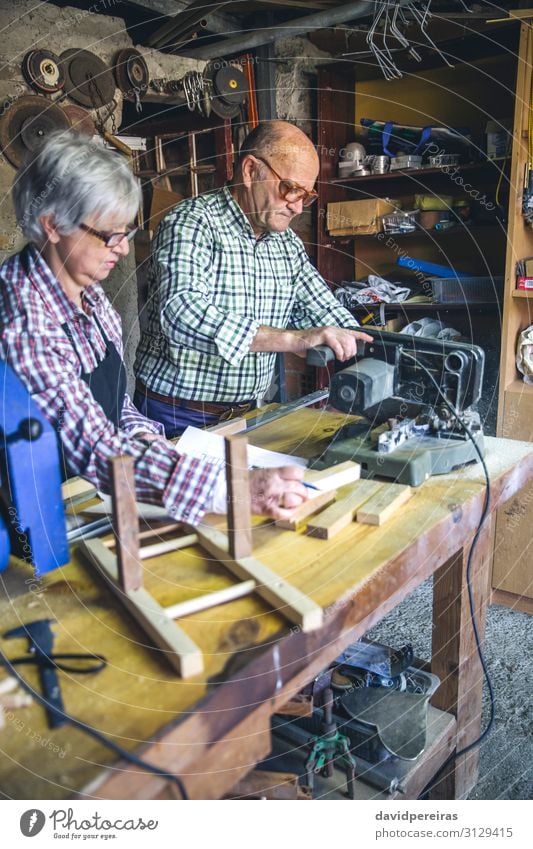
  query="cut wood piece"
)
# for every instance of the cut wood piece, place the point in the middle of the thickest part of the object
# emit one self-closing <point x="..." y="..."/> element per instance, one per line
<point x="167" y="546"/>
<point x="334" y="476"/>
<point x="300" y="514"/>
<point x="239" y="501"/>
<point x="226" y="428"/>
<point x="126" y="522"/>
<point x="204" y="602"/>
<point x="342" y="513"/>
<point x="286" y="599"/>
<point x="77" y="490"/>
<point x="180" y="651"/>
<point x="381" y="506"/>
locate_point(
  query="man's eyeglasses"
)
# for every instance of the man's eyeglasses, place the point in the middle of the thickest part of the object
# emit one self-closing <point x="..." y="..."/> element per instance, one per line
<point x="110" y="240"/>
<point x="290" y="191"/>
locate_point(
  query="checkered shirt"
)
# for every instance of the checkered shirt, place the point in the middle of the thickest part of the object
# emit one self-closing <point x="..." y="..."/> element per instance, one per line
<point x="33" y="307"/>
<point x="212" y="284"/>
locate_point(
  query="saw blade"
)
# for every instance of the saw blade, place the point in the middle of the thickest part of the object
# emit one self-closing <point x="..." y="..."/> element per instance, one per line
<point x="88" y="80"/>
<point x="131" y="73"/>
<point x="26" y="125"/>
<point x="42" y="70"/>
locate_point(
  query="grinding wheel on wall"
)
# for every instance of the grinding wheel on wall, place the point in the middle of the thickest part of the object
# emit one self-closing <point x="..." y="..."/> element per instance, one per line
<point x="227" y="88"/>
<point x="42" y="70"/>
<point x="88" y="80"/>
<point x="131" y="74"/>
<point x="80" y="119"/>
<point x="26" y="125"/>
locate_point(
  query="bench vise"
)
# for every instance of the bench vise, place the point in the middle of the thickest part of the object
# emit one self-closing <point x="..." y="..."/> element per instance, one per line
<point x="32" y="516"/>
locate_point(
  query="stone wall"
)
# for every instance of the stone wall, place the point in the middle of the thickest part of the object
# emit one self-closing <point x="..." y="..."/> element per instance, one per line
<point x="26" y="26"/>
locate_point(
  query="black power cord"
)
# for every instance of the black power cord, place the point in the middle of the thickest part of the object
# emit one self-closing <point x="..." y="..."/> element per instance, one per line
<point x="481" y="522"/>
<point x="92" y="732"/>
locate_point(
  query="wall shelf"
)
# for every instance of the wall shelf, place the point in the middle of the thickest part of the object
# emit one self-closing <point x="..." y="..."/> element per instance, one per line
<point x="420" y="172"/>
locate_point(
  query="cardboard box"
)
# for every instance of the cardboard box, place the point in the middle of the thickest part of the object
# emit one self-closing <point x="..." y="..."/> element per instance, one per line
<point x="357" y="217"/>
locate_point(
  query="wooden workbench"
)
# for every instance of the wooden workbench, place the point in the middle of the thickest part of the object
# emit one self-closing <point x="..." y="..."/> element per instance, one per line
<point x="212" y="729"/>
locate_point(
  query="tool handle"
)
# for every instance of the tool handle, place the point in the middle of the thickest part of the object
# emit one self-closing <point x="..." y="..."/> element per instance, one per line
<point x="319" y="356"/>
<point x="322" y="354"/>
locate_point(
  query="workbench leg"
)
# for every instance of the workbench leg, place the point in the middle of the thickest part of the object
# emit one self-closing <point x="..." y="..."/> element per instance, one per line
<point x="455" y="659"/>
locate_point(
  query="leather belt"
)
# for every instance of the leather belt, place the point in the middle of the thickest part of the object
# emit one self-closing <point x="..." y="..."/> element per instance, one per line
<point x="225" y="410"/>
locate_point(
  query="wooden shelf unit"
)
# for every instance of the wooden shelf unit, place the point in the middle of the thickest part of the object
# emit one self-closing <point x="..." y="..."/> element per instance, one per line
<point x="512" y="579"/>
<point x="455" y="97"/>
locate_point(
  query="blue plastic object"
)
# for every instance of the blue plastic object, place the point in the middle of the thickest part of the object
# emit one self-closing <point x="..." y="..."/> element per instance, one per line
<point x="30" y="480"/>
<point x="431" y="268"/>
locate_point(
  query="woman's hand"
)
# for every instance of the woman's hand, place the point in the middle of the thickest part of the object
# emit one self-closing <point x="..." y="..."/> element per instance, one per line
<point x="277" y="492"/>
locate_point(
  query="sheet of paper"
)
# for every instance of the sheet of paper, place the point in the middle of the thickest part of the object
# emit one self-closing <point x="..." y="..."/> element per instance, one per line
<point x="201" y="443"/>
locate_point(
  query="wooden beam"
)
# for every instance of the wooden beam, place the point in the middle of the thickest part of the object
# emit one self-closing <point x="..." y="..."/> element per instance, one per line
<point x="301" y="513"/>
<point x="179" y="650"/>
<point x="286" y="599"/>
<point x="342" y="513"/>
<point x="384" y="504"/>
<point x="126" y="522"/>
<point x="239" y="501"/>
<point x="334" y="476"/>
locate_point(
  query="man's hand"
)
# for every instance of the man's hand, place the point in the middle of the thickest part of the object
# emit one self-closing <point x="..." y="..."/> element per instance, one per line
<point x="276" y="492"/>
<point x="341" y="340"/>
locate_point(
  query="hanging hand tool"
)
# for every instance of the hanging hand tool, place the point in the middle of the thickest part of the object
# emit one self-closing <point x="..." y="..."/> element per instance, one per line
<point x="41" y="642"/>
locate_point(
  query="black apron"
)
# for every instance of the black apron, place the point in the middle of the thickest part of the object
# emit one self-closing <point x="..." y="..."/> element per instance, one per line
<point x="107" y="381"/>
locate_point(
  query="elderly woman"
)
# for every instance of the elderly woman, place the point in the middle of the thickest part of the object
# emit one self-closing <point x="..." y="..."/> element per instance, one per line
<point x="58" y="331"/>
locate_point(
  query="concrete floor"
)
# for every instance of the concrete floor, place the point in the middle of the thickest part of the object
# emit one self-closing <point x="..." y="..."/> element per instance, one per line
<point x="506" y="760"/>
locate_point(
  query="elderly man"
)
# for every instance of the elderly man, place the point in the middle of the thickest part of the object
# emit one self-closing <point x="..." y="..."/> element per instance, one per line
<point x="231" y="285"/>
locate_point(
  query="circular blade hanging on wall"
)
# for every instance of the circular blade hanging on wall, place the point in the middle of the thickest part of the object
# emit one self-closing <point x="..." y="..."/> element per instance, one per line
<point x="88" y="80"/>
<point x="42" y="70"/>
<point x="80" y="119"/>
<point x="26" y="125"/>
<point x="131" y="73"/>
<point x="228" y="88"/>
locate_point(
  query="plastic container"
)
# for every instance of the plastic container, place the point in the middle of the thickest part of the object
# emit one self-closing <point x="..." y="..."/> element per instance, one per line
<point x="466" y="290"/>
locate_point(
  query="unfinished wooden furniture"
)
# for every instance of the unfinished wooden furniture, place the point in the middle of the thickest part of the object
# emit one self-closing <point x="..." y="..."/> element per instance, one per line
<point x="123" y="569"/>
<point x="213" y="728"/>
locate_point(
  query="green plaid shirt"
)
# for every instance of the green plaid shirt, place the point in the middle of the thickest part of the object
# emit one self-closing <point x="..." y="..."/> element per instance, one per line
<point x="212" y="284"/>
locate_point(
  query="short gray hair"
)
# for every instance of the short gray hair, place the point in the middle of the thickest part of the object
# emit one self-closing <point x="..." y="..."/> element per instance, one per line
<point x="72" y="177"/>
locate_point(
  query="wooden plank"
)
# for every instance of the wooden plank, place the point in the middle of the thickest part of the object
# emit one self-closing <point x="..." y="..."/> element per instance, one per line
<point x="384" y="504"/>
<point x="301" y="513"/>
<point x="77" y="490"/>
<point x="126" y="523"/>
<point x="204" y="602"/>
<point x="286" y="599"/>
<point x="517" y="602"/>
<point x="339" y="515"/>
<point x="334" y="476"/>
<point x="239" y="501"/>
<point x="180" y="651"/>
<point x="167" y="546"/>
<point x="229" y="427"/>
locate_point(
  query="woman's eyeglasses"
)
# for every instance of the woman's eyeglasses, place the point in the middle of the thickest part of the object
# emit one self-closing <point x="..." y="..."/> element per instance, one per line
<point x="290" y="191"/>
<point x="110" y="240"/>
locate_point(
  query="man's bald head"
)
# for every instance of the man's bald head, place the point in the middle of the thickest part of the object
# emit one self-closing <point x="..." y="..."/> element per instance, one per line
<point x="276" y="171"/>
<point x="279" y="142"/>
